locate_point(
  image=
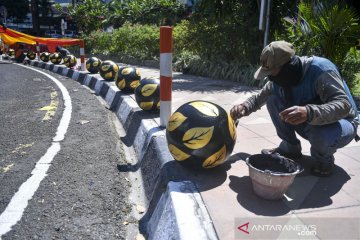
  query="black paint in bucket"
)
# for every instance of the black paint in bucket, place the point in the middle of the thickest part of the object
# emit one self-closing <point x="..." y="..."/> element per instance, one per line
<point x="273" y="163"/>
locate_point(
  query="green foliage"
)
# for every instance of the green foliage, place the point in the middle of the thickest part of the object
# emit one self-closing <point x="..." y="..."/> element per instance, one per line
<point x="235" y="71"/>
<point x="194" y="58"/>
<point x="138" y="41"/>
<point x="93" y="15"/>
<point x="98" y="42"/>
<point x="327" y="29"/>
<point x="221" y="39"/>
<point x="355" y="90"/>
<point x="156" y="12"/>
<point x="142" y="42"/>
<point x="89" y="15"/>
<point x="226" y="31"/>
<point x="351" y="70"/>
<point x="181" y="37"/>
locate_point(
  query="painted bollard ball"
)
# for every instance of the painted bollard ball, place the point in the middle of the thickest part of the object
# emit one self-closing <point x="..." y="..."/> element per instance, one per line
<point x="31" y="55"/>
<point x="147" y="94"/>
<point x="93" y="64"/>
<point x="11" y="52"/>
<point x="44" y="56"/>
<point x="127" y="79"/>
<point x="200" y="134"/>
<point x="70" y="61"/>
<point x="55" y="58"/>
<point x="108" y="70"/>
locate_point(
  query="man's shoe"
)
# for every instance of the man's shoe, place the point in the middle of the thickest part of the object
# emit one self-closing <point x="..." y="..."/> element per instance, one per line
<point x="322" y="169"/>
<point x="293" y="156"/>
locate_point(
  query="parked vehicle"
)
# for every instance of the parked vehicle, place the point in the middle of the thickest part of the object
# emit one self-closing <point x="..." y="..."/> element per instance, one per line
<point x="53" y="33"/>
<point x="69" y="34"/>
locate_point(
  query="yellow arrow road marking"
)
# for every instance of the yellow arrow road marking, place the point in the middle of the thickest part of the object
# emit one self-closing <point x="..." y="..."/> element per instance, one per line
<point x="7" y="168"/>
<point x="21" y="147"/>
<point x="51" y="109"/>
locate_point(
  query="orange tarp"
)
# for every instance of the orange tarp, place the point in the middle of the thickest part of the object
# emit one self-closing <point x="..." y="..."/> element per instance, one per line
<point x="10" y="37"/>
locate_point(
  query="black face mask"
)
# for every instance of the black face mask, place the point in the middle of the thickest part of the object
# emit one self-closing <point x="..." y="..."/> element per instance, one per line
<point x="290" y="73"/>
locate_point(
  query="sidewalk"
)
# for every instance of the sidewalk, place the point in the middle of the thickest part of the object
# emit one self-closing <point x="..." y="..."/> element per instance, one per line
<point x="227" y="190"/>
<point x="327" y="203"/>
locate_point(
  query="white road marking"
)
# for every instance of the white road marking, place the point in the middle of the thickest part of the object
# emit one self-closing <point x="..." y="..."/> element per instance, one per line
<point x="15" y="209"/>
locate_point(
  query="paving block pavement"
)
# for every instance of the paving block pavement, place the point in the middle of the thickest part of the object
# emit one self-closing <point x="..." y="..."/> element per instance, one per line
<point x="311" y="208"/>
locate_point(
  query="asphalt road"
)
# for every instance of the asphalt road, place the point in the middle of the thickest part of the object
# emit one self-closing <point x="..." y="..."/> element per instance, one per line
<point x="83" y="195"/>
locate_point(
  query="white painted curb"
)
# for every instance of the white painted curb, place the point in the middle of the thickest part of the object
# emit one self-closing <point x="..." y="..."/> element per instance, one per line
<point x="181" y="214"/>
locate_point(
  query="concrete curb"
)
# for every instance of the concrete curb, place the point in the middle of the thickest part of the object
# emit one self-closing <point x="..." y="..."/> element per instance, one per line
<point x="176" y="209"/>
<point x="177" y="213"/>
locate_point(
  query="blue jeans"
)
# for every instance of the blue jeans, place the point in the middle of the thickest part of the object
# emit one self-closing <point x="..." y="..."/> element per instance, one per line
<point x="324" y="139"/>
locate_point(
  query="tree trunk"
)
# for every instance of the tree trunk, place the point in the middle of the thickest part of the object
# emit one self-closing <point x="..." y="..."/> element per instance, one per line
<point x="35" y="17"/>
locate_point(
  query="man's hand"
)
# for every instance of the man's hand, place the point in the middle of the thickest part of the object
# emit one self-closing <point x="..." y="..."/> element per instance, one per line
<point x="294" y="115"/>
<point x="237" y="112"/>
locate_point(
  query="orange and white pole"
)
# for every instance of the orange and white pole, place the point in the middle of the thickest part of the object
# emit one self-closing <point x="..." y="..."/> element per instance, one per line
<point x="82" y="55"/>
<point x="6" y="50"/>
<point x="165" y="74"/>
<point x="1" y="48"/>
<point x="37" y="51"/>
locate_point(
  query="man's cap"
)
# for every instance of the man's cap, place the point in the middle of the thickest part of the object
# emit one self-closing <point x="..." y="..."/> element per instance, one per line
<point x="274" y="55"/>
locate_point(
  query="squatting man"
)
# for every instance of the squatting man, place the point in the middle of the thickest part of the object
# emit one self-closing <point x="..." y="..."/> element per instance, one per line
<point x="304" y="95"/>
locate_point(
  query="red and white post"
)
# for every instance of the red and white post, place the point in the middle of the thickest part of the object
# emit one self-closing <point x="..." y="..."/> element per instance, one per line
<point x="82" y="55"/>
<point x="1" y="48"/>
<point x="6" y="50"/>
<point x="165" y="74"/>
<point x="37" y="51"/>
